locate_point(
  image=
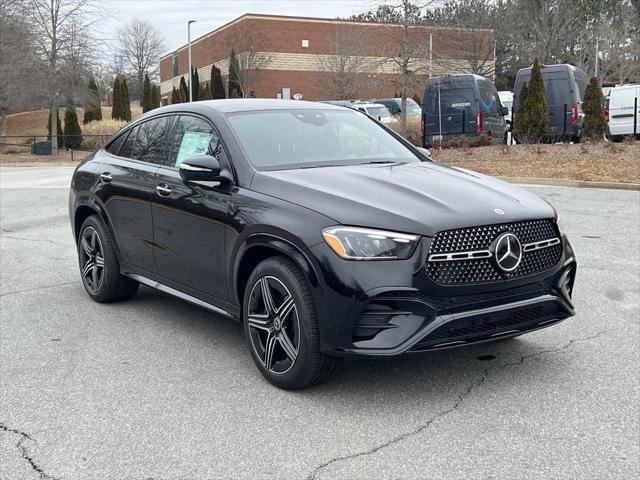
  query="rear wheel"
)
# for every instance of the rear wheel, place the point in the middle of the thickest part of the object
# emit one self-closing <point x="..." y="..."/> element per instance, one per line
<point x="281" y="326"/>
<point x="99" y="268"/>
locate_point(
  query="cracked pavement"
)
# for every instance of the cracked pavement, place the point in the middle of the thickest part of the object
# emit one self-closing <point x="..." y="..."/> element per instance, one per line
<point x="158" y="388"/>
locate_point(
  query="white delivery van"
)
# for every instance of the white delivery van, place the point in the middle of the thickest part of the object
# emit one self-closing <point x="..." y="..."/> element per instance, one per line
<point x="622" y="109"/>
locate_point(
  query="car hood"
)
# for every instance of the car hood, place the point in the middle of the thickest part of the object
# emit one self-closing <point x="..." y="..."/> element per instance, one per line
<point x="418" y="197"/>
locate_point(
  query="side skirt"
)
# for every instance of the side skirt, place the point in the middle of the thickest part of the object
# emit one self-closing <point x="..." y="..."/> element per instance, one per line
<point x="177" y="293"/>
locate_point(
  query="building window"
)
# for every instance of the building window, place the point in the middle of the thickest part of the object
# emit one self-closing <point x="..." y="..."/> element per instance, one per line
<point x="174" y="64"/>
<point x="305" y="43"/>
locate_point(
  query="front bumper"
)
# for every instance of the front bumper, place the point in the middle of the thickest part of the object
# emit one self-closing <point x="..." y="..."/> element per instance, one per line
<point x="409" y="313"/>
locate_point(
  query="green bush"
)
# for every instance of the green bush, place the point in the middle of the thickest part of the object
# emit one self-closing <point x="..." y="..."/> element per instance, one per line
<point x="595" y="125"/>
<point x="521" y="121"/>
<point x="536" y="105"/>
<point x="216" y="86"/>
<point x="147" y="100"/>
<point x="235" y="91"/>
<point x="93" y="110"/>
<point x="72" y="132"/>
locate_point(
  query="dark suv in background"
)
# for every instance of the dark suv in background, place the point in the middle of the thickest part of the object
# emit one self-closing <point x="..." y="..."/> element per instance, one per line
<point x="325" y="233"/>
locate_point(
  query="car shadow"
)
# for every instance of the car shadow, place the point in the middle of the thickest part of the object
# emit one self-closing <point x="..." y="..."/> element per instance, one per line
<point x="412" y="378"/>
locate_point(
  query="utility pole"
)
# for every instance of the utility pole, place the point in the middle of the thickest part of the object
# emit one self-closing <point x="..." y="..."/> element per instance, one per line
<point x="597" y="55"/>
<point x="189" y="48"/>
<point x="430" y="55"/>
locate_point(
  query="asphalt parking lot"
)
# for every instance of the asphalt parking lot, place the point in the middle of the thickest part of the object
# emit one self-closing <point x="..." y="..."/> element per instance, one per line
<point x="155" y="388"/>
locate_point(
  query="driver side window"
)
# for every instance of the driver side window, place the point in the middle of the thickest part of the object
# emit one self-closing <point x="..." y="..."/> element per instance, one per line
<point x="193" y="137"/>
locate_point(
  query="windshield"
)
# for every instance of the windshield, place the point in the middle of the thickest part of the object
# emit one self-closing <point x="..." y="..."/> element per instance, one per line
<point x="281" y="139"/>
<point x="413" y="108"/>
<point x="378" y="112"/>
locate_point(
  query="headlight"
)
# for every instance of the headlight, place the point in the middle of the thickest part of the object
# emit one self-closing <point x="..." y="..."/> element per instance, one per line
<point x="353" y="243"/>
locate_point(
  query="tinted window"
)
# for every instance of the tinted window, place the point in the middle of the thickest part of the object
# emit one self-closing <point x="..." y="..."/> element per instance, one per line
<point x="149" y="146"/>
<point x="116" y="143"/>
<point x="127" y="146"/>
<point x="193" y="137"/>
<point x="297" y="138"/>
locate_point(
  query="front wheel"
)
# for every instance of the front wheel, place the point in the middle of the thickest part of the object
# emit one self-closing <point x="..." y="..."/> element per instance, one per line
<point x="281" y="326"/>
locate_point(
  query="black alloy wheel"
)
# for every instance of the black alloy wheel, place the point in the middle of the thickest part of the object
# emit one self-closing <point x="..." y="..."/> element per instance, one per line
<point x="281" y="326"/>
<point x="91" y="260"/>
<point x="274" y="325"/>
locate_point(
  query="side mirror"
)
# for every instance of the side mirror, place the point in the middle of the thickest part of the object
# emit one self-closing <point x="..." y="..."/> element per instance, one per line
<point x="202" y="169"/>
<point x="504" y="111"/>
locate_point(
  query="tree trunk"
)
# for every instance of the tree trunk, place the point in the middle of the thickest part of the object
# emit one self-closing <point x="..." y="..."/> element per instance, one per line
<point x="54" y="129"/>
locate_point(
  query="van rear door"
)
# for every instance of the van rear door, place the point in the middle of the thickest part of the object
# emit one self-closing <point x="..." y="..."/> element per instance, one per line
<point x="452" y="109"/>
<point x="622" y="101"/>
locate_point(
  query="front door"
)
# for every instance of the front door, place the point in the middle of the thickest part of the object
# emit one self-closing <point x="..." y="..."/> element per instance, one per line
<point x="189" y="217"/>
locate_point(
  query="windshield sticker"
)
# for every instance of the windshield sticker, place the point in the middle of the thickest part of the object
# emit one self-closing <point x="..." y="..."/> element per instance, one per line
<point x="194" y="144"/>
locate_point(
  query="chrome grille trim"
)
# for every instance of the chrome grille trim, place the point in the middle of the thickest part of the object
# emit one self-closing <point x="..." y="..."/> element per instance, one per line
<point x="550" y="242"/>
<point x="451" y="257"/>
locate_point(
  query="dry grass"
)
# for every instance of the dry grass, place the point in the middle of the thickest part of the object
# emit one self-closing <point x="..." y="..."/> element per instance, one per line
<point x="600" y="162"/>
<point x="34" y="123"/>
<point x="104" y="127"/>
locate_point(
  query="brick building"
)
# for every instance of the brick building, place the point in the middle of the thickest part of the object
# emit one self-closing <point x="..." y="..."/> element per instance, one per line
<point x="307" y="56"/>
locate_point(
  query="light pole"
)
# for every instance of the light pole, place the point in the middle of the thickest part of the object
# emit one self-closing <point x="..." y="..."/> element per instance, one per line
<point x="189" y="48"/>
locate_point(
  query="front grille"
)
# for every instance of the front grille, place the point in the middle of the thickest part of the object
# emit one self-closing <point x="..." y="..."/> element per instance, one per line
<point x="459" y="303"/>
<point x="481" y="270"/>
<point x="483" y="327"/>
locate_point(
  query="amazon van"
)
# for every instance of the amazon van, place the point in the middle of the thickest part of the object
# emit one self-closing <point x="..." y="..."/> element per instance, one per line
<point x="564" y="87"/>
<point x="458" y="105"/>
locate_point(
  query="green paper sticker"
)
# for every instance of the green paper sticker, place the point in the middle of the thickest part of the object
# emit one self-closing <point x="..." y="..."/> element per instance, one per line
<point x="194" y="144"/>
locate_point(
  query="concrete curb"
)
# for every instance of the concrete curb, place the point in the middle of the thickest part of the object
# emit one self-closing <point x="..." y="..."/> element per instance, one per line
<point x="565" y="182"/>
<point x="39" y="164"/>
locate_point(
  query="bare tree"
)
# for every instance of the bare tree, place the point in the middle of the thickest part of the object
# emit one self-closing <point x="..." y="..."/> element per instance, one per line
<point x="404" y="50"/>
<point x="250" y="60"/>
<point x="466" y="49"/>
<point x="139" y="50"/>
<point x="52" y="22"/>
<point x="343" y="72"/>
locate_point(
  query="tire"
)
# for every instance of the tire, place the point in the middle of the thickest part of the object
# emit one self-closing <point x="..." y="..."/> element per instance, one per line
<point x="104" y="283"/>
<point x="286" y="350"/>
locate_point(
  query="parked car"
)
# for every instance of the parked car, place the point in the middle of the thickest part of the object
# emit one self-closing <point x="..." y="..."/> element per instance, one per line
<point x="394" y="105"/>
<point x="564" y="87"/>
<point x="622" y="110"/>
<point x="506" y="99"/>
<point x="458" y="105"/>
<point x="324" y="233"/>
<point x="375" y="110"/>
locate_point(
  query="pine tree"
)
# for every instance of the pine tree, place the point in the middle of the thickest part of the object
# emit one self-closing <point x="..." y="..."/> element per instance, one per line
<point x="521" y="121"/>
<point x="235" y="91"/>
<point x="184" y="90"/>
<point x="126" y="104"/>
<point x="115" y="100"/>
<point x="72" y="132"/>
<point x="205" y="94"/>
<point x="93" y="111"/>
<point x="595" y="125"/>
<point x="155" y="96"/>
<point x="216" y="86"/>
<point x="536" y="105"/>
<point x="195" y="85"/>
<point x="174" y="96"/>
<point x="60" y="135"/>
<point x="147" y="101"/>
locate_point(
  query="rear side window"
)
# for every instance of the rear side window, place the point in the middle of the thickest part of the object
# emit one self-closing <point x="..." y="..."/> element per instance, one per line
<point x="127" y="147"/>
<point x="557" y="92"/>
<point x="193" y="137"/>
<point x="150" y="144"/>
<point x="116" y="143"/>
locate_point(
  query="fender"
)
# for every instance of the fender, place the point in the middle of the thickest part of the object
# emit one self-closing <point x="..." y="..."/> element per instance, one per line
<point x="89" y="199"/>
<point x="276" y="241"/>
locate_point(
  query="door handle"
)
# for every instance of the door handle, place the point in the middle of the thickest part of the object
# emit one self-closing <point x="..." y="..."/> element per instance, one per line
<point x="106" y="177"/>
<point x="163" y="190"/>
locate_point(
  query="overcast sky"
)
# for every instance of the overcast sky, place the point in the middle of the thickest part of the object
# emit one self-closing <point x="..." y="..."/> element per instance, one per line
<point x="170" y="16"/>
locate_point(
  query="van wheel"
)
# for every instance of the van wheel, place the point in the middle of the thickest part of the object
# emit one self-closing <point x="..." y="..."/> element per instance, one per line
<point x="281" y="326"/>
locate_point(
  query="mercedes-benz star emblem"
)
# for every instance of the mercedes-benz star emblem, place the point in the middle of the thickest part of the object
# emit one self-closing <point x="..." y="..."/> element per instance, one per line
<point x="507" y="252"/>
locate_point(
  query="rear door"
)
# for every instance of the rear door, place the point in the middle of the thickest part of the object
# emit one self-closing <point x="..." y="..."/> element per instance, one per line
<point x="449" y="108"/>
<point x="621" y="110"/>
<point x="126" y="185"/>
<point x="189" y="217"/>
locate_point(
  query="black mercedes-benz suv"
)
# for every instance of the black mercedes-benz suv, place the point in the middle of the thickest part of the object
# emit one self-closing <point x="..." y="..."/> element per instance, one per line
<point x="325" y="233"/>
